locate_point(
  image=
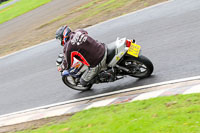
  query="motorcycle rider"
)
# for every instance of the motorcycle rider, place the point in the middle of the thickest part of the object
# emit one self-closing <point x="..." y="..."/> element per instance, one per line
<point x="80" y="45"/>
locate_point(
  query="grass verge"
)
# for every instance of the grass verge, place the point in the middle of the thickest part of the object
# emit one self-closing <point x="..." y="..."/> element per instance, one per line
<point x="173" y="114"/>
<point x="19" y="8"/>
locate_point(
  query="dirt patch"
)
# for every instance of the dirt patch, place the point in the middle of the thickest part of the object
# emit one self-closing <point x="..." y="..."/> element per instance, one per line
<point x="40" y="24"/>
<point x="35" y="124"/>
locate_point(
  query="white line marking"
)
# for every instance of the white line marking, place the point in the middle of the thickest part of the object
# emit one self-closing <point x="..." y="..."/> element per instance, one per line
<point x="106" y="94"/>
<point x="195" y="89"/>
<point x="149" y="95"/>
<point x="100" y="103"/>
<point x="56" y="112"/>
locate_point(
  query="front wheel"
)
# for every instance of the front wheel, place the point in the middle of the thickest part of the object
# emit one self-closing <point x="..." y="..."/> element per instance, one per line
<point x="140" y="67"/>
<point x="70" y="82"/>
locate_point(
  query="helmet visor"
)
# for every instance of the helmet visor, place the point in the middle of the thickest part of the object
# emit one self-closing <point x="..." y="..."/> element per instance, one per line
<point x="65" y="37"/>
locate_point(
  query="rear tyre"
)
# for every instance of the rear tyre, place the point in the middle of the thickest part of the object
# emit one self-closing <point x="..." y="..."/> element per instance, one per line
<point x="69" y="81"/>
<point x="140" y="67"/>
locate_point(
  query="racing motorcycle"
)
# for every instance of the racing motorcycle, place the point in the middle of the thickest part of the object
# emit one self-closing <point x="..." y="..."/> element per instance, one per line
<point x="123" y="58"/>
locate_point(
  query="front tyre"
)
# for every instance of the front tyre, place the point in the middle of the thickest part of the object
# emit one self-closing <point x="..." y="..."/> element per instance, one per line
<point x="70" y="82"/>
<point x="140" y="67"/>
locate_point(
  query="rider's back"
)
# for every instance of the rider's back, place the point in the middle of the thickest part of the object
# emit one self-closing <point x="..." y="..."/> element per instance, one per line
<point x="84" y="48"/>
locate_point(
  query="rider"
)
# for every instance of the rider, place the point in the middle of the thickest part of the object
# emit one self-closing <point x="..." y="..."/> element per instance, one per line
<point x="80" y="45"/>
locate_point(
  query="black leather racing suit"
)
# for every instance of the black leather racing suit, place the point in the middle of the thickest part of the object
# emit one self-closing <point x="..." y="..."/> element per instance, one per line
<point x="87" y="50"/>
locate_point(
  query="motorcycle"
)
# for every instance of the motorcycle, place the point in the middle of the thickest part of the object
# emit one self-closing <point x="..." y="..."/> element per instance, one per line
<point x="123" y="58"/>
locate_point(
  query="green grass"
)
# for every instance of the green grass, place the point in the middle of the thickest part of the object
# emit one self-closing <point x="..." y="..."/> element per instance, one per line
<point x="19" y="8"/>
<point x="174" y="114"/>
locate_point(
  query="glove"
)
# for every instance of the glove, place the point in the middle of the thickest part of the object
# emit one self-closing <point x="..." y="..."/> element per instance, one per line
<point x="60" y="68"/>
<point x="65" y="73"/>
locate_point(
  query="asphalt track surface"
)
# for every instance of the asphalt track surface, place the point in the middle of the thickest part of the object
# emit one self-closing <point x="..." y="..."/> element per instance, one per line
<point x="168" y="34"/>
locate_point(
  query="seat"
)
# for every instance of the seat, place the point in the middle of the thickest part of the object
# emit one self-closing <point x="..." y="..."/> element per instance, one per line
<point x="110" y="51"/>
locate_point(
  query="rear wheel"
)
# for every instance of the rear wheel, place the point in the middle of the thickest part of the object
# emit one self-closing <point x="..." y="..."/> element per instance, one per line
<point x="70" y="82"/>
<point x="140" y="67"/>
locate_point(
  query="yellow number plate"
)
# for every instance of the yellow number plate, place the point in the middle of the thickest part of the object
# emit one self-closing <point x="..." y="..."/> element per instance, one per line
<point x="134" y="50"/>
